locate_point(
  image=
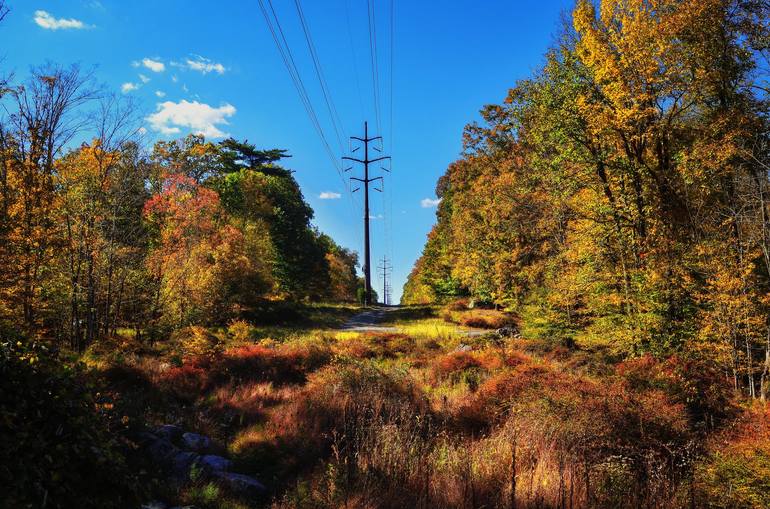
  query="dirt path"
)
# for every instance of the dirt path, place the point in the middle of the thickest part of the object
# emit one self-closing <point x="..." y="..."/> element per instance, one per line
<point x="366" y="321"/>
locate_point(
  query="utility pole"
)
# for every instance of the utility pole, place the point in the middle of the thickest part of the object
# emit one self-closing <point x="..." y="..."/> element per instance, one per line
<point x="365" y="181"/>
<point x="385" y="268"/>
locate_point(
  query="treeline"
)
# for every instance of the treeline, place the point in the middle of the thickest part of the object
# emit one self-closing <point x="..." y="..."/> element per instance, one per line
<point x="619" y="196"/>
<point x="107" y="235"/>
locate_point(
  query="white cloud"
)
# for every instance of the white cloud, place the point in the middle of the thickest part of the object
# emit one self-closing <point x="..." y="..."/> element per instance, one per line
<point x="154" y="65"/>
<point x="160" y="93"/>
<point x="142" y="130"/>
<point x="174" y="78"/>
<point x="428" y="203"/>
<point x="330" y="195"/>
<point x="143" y="78"/>
<point x="201" y="64"/>
<point x="47" y="21"/>
<point x="128" y="87"/>
<point x="378" y="216"/>
<point x="200" y="118"/>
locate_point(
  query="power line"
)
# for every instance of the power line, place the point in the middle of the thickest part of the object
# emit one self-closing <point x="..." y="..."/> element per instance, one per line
<point x="354" y="58"/>
<point x="387" y="196"/>
<point x="288" y="59"/>
<point x="319" y="74"/>
<point x="392" y="136"/>
<point x="291" y="67"/>
<point x="373" y="54"/>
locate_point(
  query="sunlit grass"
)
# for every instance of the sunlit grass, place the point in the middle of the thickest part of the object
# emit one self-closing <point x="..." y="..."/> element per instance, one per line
<point x="346" y="335"/>
<point x="432" y="328"/>
<point x="248" y="437"/>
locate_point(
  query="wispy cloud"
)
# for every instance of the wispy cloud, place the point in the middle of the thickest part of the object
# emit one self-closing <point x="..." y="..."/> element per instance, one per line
<point x="330" y="195"/>
<point x="128" y="87"/>
<point x="428" y="203"/>
<point x="200" y="118"/>
<point x="154" y="65"/>
<point x="160" y="93"/>
<point x="46" y="20"/>
<point x="201" y="64"/>
<point x="143" y="78"/>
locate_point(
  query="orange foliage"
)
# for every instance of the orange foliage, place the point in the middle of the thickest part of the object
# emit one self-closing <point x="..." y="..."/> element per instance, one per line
<point x="187" y="381"/>
<point x="285" y="364"/>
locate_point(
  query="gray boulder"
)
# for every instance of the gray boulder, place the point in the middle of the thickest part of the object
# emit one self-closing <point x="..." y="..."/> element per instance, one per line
<point x="162" y="452"/>
<point x="214" y="463"/>
<point x="241" y="484"/>
<point x="182" y="463"/>
<point x="170" y="432"/>
<point x="155" y="504"/>
<point x="195" y="442"/>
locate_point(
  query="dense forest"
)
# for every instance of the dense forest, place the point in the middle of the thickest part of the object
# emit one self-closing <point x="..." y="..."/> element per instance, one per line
<point x="619" y="196"/>
<point x="106" y="236"/>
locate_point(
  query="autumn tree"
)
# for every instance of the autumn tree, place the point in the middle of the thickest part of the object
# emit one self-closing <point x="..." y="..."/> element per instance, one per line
<point x="621" y="191"/>
<point x="43" y="120"/>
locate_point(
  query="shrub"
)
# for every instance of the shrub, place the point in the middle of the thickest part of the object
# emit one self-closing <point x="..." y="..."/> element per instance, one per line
<point x="736" y="471"/>
<point x="197" y="341"/>
<point x="485" y="319"/>
<point x="286" y="363"/>
<point x="55" y="450"/>
<point x="697" y="383"/>
<point x="451" y="365"/>
<point x="187" y="381"/>
<point x="458" y="305"/>
<point x="240" y="331"/>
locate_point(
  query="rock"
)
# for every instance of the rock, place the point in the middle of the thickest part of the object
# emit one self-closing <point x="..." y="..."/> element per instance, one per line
<point x="155" y="504"/>
<point x="241" y="484"/>
<point x="170" y="432"/>
<point x="162" y="451"/>
<point x="214" y="463"/>
<point x="195" y="442"/>
<point x="463" y="348"/>
<point x="508" y="332"/>
<point x="182" y="463"/>
<point x="145" y="438"/>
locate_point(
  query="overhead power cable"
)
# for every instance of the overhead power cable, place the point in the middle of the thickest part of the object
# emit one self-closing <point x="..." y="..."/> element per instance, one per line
<point x="291" y="67"/>
<point x="335" y="119"/>
<point x="276" y="30"/>
<point x="354" y="59"/>
<point x="373" y="54"/>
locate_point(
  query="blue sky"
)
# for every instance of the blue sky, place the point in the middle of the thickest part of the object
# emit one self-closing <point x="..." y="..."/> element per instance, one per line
<point x="212" y="67"/>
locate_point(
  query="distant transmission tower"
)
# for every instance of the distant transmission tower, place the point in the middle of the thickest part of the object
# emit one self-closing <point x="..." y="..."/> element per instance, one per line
<point x="385" y="269"/>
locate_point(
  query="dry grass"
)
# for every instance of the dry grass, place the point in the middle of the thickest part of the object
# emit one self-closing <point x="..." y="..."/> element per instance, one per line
<point x="409" y="420"/>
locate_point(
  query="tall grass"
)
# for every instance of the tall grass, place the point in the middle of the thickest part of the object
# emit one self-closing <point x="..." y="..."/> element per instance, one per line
<point x="407" y="419"/>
